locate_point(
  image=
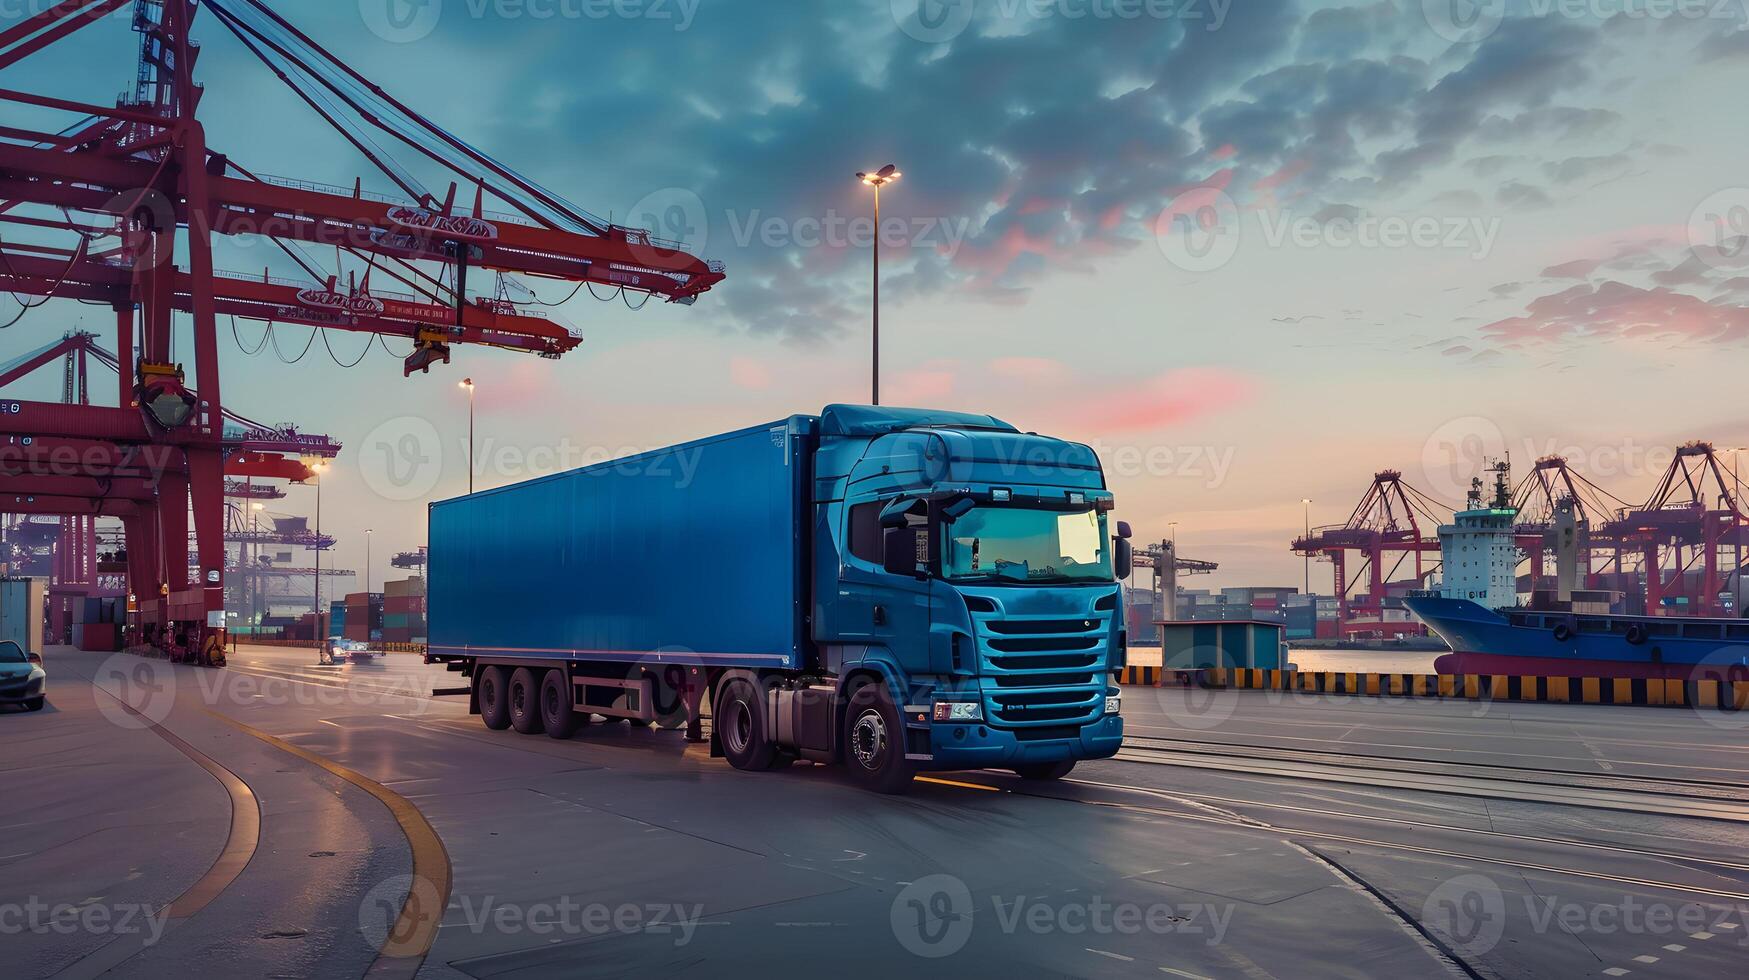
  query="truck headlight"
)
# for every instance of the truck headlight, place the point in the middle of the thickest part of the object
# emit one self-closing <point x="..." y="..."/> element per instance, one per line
<point x="1113" y="704"/>
<point x="959" y="711"/>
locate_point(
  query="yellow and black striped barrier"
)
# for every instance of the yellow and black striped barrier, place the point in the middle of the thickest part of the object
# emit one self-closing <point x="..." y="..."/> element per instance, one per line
<point x="1673" y="692"/>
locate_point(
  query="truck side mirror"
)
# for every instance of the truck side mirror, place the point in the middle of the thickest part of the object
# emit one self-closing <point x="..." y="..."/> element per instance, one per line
<point x="899" y="551"/>
<point x="1123" y="529"/>
<point x="1125" y="558"/>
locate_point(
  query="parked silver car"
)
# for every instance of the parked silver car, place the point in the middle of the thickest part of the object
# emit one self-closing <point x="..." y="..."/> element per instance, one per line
<point x="22" y="678"/>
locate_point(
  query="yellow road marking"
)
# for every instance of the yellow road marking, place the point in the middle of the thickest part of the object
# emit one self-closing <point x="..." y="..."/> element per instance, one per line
<point x="955" y="782"/>
<point x="410" y="938"/>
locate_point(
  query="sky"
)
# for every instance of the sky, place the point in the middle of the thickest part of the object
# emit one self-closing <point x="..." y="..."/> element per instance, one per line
<point x="1252" y="251"/>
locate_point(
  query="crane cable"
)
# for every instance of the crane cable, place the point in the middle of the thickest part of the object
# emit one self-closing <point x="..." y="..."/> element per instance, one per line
<point x="265" y="334"/>
<point x="336" y="357"/>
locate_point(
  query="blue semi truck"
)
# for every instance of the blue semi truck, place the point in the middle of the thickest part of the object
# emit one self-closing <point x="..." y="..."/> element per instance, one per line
<point x="890" y="589"/>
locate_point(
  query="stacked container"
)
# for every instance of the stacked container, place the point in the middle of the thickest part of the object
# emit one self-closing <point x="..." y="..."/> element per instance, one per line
<point x="364" y="617"/>
<point x="404" y="611"/>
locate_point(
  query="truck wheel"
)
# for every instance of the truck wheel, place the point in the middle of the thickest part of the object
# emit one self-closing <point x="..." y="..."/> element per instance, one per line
<point x="1046" y="770"/>
<point x="874" y="741"/>
<point x="524" y="699"/>
<point x="739" y="719"/>
<point x="494" y="689"/>
<point x="557" y="712"/>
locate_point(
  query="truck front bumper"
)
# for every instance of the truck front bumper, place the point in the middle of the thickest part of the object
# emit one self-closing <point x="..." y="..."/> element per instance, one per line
<point x="979" y="746"/>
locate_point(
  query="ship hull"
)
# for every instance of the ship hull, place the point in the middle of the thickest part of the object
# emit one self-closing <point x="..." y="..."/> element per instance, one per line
<point x="1565" y="645"/>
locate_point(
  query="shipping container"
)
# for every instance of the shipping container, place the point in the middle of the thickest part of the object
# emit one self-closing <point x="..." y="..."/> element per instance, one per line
<point x="576" y="563"/>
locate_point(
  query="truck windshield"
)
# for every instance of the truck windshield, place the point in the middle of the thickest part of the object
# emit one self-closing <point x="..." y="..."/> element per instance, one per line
<point x="1023" y="545"/>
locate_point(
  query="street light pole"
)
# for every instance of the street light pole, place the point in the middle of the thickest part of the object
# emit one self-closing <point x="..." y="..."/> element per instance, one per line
<point x="880" y="178"/>
<point x="367" y="534"/>
<point x="316" y="589"/>
<point x="1307" y="501"/>
<point x="468" y="383"/>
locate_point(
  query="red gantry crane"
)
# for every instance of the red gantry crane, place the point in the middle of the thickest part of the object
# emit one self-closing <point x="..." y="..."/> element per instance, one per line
<point x="1388" y="521"/>
<point x="122" y="206"/>
<point x="1684" y="531"/>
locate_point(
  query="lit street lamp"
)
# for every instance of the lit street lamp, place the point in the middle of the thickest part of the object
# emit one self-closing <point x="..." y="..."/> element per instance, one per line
<point x="880" y="178"/>
<point x="468" y="383"/>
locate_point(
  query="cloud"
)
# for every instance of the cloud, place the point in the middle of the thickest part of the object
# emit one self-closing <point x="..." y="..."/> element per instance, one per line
<point x="745" y="372"/>
<point x="1514" y="194"/>
<point x="1576" y="269"/>
<point x="1168" y="399"/>
<point x="1615" y="310"/>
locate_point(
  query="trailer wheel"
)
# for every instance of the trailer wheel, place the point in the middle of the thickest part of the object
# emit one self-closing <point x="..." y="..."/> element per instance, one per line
<point x="1045" y="770"/>
<point x="738" y="717"/>
<point x="874" y="741"/>
<point x="524" y="700"/>
<point x="493" y="686"/>
<point x="558" y="713"/>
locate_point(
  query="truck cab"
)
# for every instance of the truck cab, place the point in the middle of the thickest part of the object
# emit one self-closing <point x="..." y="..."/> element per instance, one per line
<point x="971" y="570"/>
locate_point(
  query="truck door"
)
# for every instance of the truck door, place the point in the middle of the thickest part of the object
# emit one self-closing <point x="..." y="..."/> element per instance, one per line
<point x="878" y="608"/>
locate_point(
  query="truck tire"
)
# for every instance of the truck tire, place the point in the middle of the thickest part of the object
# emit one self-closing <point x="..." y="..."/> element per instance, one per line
<point x="493" y="687"/>
<point x="558" y="712"/>
<point x="524" y="701"/>
<point x="1045" y="770"/>
<point x="738" y="717"/>
<point x="874" y="741"/>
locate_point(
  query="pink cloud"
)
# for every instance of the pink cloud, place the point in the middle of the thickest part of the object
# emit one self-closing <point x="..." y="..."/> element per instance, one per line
<point x="927" y="386"/>
<point x="748" y="373"/>
<point x="1029" y="368"/>
<point x="1615" y="309"/>
<point x="1176" y="396"/>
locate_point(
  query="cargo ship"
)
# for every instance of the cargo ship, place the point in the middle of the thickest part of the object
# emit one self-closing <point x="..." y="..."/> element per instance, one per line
<point x="1554" y="643"/>
<point x="1478" y="616"/>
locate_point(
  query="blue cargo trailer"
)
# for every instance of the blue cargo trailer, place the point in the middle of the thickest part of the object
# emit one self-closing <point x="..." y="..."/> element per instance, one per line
<point x="687" y="555"/>
<point x="896" y="589"/>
